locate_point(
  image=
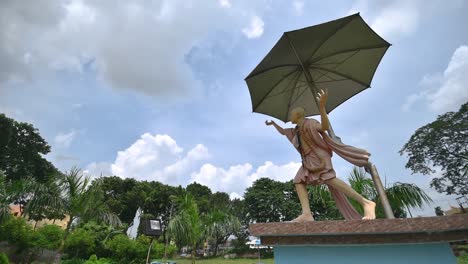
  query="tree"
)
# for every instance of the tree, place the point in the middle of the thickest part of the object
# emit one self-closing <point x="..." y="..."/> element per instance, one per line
<point x="272" y="201"/>
<point x="442" y="143"/>
<point x="185" y="227"/>
<point x="219" y="225"/>
<point x="201" y="194"/>
<point x="21" y="147"/>
<point x="401" y="196"/>
<point x="439" y="211"/>
<point x="263" y="200"/>
<point x="84" y="201"/>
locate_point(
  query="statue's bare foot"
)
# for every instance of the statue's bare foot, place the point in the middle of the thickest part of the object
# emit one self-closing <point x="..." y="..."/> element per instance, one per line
<point x="369" y="210"/>
<point x="304" y="218"/>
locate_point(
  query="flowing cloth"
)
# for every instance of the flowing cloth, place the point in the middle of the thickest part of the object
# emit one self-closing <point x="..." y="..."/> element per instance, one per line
<point x="317" y="148"/>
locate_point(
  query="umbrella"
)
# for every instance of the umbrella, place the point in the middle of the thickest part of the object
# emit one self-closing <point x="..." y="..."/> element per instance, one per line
<point x="340" y="56"/>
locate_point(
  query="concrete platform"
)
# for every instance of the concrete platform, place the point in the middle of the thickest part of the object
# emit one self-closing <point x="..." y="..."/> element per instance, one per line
<point x="410" y="240"/>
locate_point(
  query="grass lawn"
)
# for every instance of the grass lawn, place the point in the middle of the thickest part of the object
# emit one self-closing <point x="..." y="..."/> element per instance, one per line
<point x="225" y="261"/>
<point x="463" y="260"/>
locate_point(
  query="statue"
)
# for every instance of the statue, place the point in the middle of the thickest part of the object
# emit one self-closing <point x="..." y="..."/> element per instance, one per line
<point x="309" y="137"/>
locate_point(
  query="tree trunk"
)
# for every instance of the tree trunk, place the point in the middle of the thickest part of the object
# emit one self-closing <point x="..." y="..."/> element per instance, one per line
<point x="194" y="248"/>
<point x="58" y="256"/>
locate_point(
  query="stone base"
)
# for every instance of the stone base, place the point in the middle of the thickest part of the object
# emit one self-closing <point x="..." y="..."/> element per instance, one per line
<point x="412" y="240"/>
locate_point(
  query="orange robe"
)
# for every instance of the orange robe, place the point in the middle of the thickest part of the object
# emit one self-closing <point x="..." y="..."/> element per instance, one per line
<point x="317" y="147"/>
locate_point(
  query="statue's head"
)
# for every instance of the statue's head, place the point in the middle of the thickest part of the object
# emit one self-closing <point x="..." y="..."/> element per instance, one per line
<point x="296" y="115"/>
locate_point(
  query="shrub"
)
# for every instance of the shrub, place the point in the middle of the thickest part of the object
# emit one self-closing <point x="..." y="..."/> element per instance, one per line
<point x="3" y="259"/>
<point x="49" y="237"/>
<point x="72" y="261"/>
<point x="80" y="243"/>
<point x="94" y="260"/>
<point x="124" y="249"/>
<point x="18" y="233"/>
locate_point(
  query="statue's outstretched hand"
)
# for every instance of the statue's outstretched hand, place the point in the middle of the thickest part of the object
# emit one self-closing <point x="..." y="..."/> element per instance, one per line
<point x="322" y="97"/>
<point x="269" y="123"/>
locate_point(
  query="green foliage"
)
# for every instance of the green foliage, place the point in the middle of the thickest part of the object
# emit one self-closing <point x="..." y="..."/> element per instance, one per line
<point x="80" y="243"/>
<point x="219" y="225"/>
<point x="4" y="259"/>
<point x="124" y="249"/>
<point x="442" y="143"/>
<point x="72" y="261"/>
<point x="201" y="194"/>
<point x="400" y="195"/>
<point x="21" y="149"/>
<point x="186" y="227"/>
<point x="95" y="260"/>
<point x="49" y="237"/>
<point x="272" y="201"/>
<point x="18" y="233"/>
<point x="439" y="211"/>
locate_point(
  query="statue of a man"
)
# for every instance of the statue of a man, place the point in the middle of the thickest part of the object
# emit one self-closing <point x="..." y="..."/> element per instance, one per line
<point x="309" y="137"/>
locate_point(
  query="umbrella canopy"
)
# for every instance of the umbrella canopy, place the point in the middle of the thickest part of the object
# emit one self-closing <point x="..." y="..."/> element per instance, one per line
<point x="340" y="56"/>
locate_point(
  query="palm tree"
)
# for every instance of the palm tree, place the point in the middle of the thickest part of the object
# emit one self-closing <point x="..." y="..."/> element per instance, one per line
<point x="400" y="195"/>
<point x="219" y="225"/>
<point x="83" y="201"/>
<point x="185" y="226"/>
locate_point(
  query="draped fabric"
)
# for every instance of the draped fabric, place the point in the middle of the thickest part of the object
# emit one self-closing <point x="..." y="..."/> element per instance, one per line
<point x="317" y="148"/>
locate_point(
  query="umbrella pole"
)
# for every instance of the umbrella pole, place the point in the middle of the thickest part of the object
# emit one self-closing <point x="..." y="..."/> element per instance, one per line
<point x="370" y="168"/>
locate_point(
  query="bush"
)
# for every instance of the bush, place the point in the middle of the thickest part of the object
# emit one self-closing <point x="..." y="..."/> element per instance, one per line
<point x="72" y="261"/>
<point x="3" y="259"/>
<point x="80" y="243"/>
<point x="49" y="237"/>
<point x="94" y="260"/>
<point x="124" y="249"/>
<point x="18" y="233"/>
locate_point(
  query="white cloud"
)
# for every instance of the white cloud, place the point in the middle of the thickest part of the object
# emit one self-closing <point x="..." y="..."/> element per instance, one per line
<point x="136" y="45"/>
<point x="96" y="169"/>
<point x="400" y="17"/>
<point x="236" y="179"/>
<point x="158" y="158"/>
<point x="298" y="7"/>
<point x="444" y="91"/>
<point x="255" y="28"/>
<point x="225" y="3"/>
<point x="64" y="140"/>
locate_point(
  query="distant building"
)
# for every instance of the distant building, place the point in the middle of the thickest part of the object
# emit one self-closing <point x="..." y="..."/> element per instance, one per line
<point x="16" y="211"/>
<point x="454" y="210"/>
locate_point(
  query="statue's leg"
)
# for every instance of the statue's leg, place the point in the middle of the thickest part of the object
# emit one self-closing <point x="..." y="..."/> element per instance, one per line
<point x="369" y="206"/>
<point x="304" y="199"/>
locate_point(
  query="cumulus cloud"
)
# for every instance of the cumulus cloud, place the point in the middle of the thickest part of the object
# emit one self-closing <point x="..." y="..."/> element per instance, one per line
<point x="97" y="169"/>
<point x="298" y="7"/>
<point x="137" y="45"/>
<point x="255" y="28"/>
<point x="158" y="158"/>
<point x="400" y="17"/>
<point x="444" y="91"/>
<point x="225" y="3"/>
<point x="64" y="140"/>
<point x="237" y="178"/>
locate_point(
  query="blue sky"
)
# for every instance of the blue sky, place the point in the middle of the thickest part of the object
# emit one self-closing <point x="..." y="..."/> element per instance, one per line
<point x="155" y="90"/>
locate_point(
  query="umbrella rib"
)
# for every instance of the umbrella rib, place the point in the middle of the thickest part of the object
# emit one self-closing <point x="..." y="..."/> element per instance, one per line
<point x="338" y="64"/>
<point x="284" y="91"/>
<point x="348" y="50"/>
<point x="341" y="74"/>
<point x="272" y="88"/>
<point x="271" y="68"/>
<point x="331" y="35"/>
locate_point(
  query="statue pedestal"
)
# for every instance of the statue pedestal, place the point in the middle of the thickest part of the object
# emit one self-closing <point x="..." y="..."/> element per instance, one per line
<point x="382" y="241"/>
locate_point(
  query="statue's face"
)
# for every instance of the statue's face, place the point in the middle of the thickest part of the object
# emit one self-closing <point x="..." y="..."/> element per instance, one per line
<point x="294" y="117"/>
